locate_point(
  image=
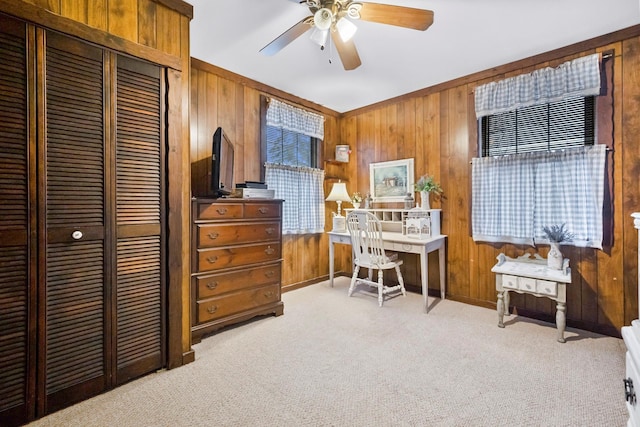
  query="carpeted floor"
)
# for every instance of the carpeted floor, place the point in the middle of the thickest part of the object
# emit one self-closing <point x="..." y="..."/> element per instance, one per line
<point x="331" y="360"/>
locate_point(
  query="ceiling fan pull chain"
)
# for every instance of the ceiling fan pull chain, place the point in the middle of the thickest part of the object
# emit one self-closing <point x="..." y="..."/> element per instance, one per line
<point x="330" y="50"/>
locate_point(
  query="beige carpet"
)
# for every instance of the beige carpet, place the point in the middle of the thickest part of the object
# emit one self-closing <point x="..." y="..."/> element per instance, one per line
<point x="338" y="361"/>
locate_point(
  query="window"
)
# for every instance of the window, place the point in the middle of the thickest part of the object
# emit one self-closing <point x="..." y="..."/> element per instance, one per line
<point x="540" y="164"/>
<point x="290" y="142"/>
<point x="557" y="125"/>
<point x="292" y="148"/>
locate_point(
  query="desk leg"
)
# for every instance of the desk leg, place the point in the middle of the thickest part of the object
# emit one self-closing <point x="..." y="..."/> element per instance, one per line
<point x="424" y="275"/>
<point x="441" y="262"/>
<point x="331" y="262"/>
<point x="560" y="321"/>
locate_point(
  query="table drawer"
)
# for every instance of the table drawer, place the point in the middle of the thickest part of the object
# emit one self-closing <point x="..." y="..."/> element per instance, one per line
<point x="217" y="284"/>
<point x="220" y="211"/>
<point x="509" y="282"/>
<point x="526" y="284"/>
<point x="545" y="287"/>
<point x="236" y="302"/>
<point x="235" y="256"/>
<point x="210" y="235"/>
<point x="262" y="210"/>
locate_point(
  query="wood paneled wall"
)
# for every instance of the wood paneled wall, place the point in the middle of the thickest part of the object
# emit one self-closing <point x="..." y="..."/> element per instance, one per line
<point x="156" y="31"/>
<point x="437" y="126"/>
<point x="222" y="98"/>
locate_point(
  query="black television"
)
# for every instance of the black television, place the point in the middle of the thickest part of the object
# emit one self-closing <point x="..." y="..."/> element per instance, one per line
<point x="221" y="164"/>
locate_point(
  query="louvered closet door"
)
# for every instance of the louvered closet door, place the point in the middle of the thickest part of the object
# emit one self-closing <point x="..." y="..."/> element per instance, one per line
<point x="139" y="217"/>
<point x="73" y="298"/>
<point x="16" y="274"/>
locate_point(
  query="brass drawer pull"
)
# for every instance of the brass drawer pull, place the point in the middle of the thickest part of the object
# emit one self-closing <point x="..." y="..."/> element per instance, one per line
<point x="213" y="236"/>
<point x="212" y="259"/>
<point x="212" y="309"/>
<point x="268" y="294"/>
<point x="270" y="273"/>
<point x="212" y="285"/>
<point x="221" y="211"/>
<point x="269" y="230"/>
<point x="269" y="251"/>
<point x="263" y="210"/>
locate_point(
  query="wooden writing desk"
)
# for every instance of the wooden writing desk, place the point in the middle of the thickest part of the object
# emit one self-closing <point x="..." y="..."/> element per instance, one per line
<point x="398" y="242"/>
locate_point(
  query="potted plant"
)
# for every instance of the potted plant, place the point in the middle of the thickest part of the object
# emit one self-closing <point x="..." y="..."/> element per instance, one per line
<point x="556" y="234"/>
<point x="426" y="185"/>
<point x="356" y="199"/>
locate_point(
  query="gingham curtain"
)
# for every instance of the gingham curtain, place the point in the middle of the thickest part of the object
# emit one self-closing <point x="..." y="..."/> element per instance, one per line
<point x="302" y="190"/>
<point x="286" y="116"/>
<point x="513" y="197"/>
<point x="580" y="77"/>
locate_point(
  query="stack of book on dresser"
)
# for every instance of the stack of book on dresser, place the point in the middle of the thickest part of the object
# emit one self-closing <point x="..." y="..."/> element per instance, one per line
<point x="253" y="190"/>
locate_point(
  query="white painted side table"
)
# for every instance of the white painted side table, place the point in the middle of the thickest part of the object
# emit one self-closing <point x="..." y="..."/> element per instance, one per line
<point x="526" y="275"/>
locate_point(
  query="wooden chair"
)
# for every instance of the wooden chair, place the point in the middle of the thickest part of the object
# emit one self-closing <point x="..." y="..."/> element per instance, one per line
<point x="368" y="252"/>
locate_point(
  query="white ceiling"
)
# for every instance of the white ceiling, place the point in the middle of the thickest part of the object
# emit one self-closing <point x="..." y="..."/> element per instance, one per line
<point x="466" y="37"/>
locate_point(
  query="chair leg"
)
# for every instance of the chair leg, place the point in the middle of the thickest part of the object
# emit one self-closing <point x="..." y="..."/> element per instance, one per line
<point x="400" y="280"/>
<point x="380" y="288"/>
<point x="354" y="278"/>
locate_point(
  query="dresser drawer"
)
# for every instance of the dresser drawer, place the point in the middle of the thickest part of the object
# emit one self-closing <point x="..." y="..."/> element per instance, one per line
<point x="236" y="302"/>
<point x="220" y="211"/>
<point x="262" y="210"/>
<point x="235" y="256"/>
<point x="210" y="235"/>
<point x="217" y="284"/>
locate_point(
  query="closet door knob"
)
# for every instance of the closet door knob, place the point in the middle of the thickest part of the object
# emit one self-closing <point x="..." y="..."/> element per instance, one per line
<point x="77" y="235"/>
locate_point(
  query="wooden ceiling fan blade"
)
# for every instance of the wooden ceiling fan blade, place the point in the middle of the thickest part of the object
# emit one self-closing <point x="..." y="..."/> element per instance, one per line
<point x="287" y="37"/>
<point x="400" y="16"/>
<point x="347" y="51"/>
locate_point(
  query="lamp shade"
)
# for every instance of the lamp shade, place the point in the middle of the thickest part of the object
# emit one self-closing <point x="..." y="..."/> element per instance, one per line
<point x="346" y="29"/>
<point x="323" y="19"/>
<point x="338" y="193"/>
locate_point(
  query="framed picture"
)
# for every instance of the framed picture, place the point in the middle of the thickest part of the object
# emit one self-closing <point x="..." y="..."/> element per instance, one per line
<point x="391" y="181"/>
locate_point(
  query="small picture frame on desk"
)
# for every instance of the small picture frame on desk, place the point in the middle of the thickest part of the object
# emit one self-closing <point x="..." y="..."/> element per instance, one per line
<point x="391" y="181"/>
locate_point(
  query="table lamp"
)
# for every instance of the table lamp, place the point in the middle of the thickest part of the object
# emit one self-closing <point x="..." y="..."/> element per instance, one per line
<point x="339" y="194"/>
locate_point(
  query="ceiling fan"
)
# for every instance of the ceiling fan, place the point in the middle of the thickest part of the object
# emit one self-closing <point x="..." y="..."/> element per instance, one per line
<point x="335" y="17"/>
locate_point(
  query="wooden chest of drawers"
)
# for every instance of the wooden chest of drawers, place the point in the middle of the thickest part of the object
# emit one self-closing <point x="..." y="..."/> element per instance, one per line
<point x="236" y="262"/>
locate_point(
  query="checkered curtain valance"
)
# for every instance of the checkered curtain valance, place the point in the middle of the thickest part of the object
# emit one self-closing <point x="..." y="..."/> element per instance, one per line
<point x="286" y="116"/>
<point x="580" y="77"/>
<point x="302" y="190"/>
<point x="513" y="197"/>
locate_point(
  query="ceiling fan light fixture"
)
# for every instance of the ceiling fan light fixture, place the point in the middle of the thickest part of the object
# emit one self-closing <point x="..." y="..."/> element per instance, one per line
<point x="319" y="36"/>
<point x="346" y="29"/>
<point x="323" y="19"/>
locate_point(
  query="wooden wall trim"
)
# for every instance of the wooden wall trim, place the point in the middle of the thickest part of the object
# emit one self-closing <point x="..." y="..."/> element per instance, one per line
<point x="267" y="90"/>
<point x="50" y="20"/>
<point x="183" y="8"/>
<point x="573" y="49"/>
